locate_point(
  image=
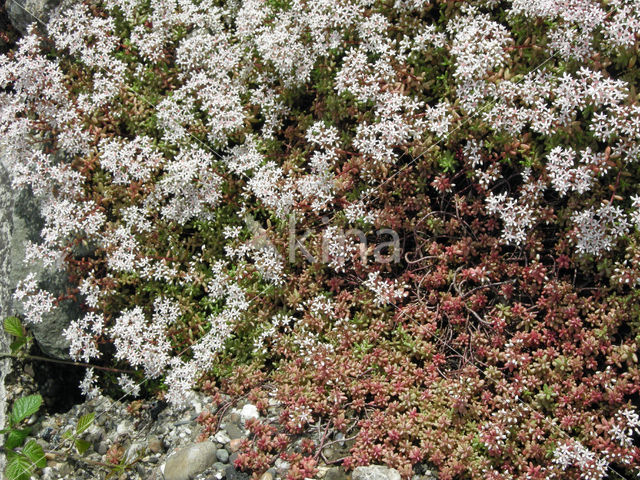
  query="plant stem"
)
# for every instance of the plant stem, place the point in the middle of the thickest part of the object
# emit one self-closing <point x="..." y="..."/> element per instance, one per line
<point x="64" y="362"/>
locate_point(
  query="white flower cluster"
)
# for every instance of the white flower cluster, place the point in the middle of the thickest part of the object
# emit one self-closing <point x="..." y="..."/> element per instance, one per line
<point x="265" y="256"/>
<point x="88" y="385"/>
<point x="182" y="374"/>
<point x="191" y="186"/>
<point x="129" y="161"/>
<point x="36" y="303"/>
<point x="598" y="229"/>
<point x="397" y="122"/>
<point x="270" y="264"/>
<point x="128" y="385"/>
<point x="580" y="20"/>
<point x="245" y="157"/>
<point x="86" y="36"/>
<point x="280" y="323"/>
<point x="517" y="216"/>
<point x="273" y="188"/>
<point x="337" y="248"/>
<point x="574" y="454"/>
<point x="386" y="291"/>
<point x="566" y="175"/>
<point x="627" y="424"/>
<point x="82" y="334"/>
<point x="301" y="416"/>
<point x="478" y="43"/>
<point x="142" y="342"/>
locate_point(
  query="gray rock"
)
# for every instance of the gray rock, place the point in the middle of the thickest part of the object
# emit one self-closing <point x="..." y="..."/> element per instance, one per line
<point x="155" y="444"/>
<point x="282" y="466"/>
<point x="231" y="473"/>
<point x="102" y="448"/>
<point x="222" y="437"/>
<point x="123" y="428"/>
<point x="190" y="461"/>
<point x="134" y="452"/>
<point x="335" y="473"/>
<point x="95" y="437"/>
<point x="423" y="472"/>
<point x="248" y="412"/>
<point x="6" y="227"/>
<point x="28" y="224"/>
<point x="22" y="13"/>
<point x="233" y="431"/>
<point x="429" y="475"/>
<point x="222" y="455"/>
<point x="375" y="472"/>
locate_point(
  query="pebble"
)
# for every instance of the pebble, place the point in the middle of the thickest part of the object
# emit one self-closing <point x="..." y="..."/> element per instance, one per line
<point x="234" y="431"/>
<point x="335" y="473"/>
<point x="222" y="455"/>
<point x="222" y="437"/>
<point x="266" y="476"/>
<point x="123" y="427"/>
<point x="282" y="466"/>
<point x="234" y="445"/>
<point x="133" y="452"/>
<point x="248" y="412"/>
<point x="375" y="472"/>
<point x="190" y="461"/>
<point x="155" y="444"/>
<point x="103" y="446"/>
<point x="232" y="474"/>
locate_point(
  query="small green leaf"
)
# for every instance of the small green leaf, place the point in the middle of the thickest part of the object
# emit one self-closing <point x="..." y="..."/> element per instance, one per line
<point x="16" y="438"/>
<point x="15" y="346"/>
<point x="82" y="445"/>
<point x="84" y="422"/>
<point x="10" y="454"/>
<point x="25" y="407"/>
<point x="67" y="435"/>
<point x="13" y="327"/>
<point x="33" y="451"/>
<point x="19" y="468"/>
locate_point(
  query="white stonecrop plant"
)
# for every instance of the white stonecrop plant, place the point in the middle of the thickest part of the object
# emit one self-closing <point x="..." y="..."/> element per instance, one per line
<point x="238" y="63"/>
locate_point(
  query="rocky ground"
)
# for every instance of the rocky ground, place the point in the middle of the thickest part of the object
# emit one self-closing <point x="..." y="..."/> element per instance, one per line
<point x="147" y="440"/>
